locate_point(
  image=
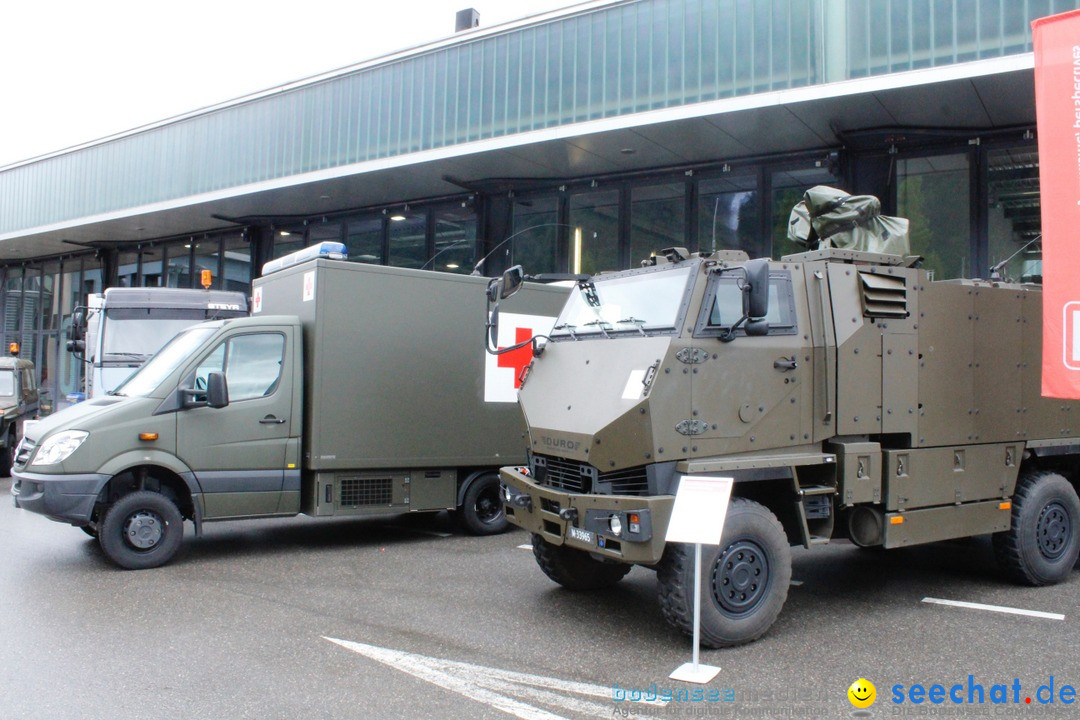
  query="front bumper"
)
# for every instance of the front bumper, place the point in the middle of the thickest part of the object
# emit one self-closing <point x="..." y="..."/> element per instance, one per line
<point x="63" y="498"/>
<point x="583" y="522"/>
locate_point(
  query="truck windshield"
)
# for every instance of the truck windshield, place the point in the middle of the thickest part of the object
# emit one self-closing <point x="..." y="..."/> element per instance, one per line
<point x="147" y="378"/>
<point x="137" y="333"/>
<point x="7" y="383"/>
<point x="634" y="303"/>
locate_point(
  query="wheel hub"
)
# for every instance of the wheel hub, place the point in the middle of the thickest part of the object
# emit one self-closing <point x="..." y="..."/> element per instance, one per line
<point x="740" y="577"/>
<point x="488" y="506"/>
<point x="1053" y="530"/>
<point x="143" y="529"/>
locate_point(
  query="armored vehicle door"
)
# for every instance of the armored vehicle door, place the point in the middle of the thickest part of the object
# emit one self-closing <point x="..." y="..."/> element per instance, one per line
<point x="750" y="392"/>
<point x="239" y="453"/>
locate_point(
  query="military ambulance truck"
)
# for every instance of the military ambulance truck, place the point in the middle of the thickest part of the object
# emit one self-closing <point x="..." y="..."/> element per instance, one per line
<point x="352" y="390"/>
<point x="847" y="394"/>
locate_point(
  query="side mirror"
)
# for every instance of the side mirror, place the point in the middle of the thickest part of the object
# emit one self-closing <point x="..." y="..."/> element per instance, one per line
<point x="217" y="390"/>
<point x="507" y="285"/>
<point x="493" y="328"/>
<point x="757" y="297"/>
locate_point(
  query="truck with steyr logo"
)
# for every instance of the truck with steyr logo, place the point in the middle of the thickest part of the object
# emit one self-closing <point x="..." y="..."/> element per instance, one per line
<point x="846" y="393"/>
<point x="351" y="390"/>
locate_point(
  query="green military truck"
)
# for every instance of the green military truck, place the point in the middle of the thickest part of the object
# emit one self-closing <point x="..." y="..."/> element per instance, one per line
<point x="351" y="390"/>
<point x="18" y="402"/>
<point x="847" y="395"/>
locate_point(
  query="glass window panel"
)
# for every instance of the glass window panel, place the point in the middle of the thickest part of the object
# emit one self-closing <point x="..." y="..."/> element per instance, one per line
<point x="729" y="215"/>
<point x="128" y="269"/>
<point x="178" y="265"/>
<point x="237" y="273"/>
<point x="151" y="264"/>
<point x="408" y="239"/>
<point x="364" y="239"/>
<point x="534" y="243"/>
<point x="288" y="239"/>
<point x="455" y="240"/>
<point x="207" y="257"/>
<point x="594" y="231"/>
<point x="324" y="231"/>
<point x="13" y="298"/>
<point x="657" y="219"/>
<point x="1014" y="223"/>
<point x="70" y="376"/>
<point x="933" y="194"/>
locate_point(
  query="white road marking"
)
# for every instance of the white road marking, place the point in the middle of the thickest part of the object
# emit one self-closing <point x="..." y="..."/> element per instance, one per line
<point x="505" y="690"/>
<point x="994" y="608"/>
<point x="526" y="546"/>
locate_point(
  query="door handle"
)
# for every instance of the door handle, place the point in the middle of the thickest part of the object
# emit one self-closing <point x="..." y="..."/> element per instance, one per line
<point x="271" y="420"/>
<point x="784" y="364"/>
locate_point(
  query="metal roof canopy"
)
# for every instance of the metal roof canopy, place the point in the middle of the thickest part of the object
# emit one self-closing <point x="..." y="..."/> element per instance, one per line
<point x="978" y="96"/>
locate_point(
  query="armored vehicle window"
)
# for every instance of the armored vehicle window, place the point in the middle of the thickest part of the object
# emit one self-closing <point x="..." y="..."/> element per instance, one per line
<point x="251" y="363"/>
<point x="7" y="383"/>
<point x="639" y="301"/>
<point x="723" y="305"/>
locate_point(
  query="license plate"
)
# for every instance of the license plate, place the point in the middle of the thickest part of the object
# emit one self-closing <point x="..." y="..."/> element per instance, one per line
<point x="579" y="534"/>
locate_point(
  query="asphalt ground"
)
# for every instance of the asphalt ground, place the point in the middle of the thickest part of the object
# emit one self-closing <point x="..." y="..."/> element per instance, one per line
<point x="433" y="623"/>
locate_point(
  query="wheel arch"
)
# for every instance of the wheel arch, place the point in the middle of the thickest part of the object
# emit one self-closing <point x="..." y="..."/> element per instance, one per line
<point x="158" y="472"/>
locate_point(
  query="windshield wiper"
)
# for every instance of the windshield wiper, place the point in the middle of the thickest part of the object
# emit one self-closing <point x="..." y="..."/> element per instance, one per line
<point x="600" y="324"/>
<point x="639" y="324"/>
<point x="133" y="356"/>
<point x="568" y="328"/>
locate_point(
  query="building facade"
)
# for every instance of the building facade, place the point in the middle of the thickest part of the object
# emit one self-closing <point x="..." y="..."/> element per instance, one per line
<point x="579" y="140"/>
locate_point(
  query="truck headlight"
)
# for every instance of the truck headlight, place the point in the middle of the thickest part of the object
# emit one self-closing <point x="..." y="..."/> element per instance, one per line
<point x="615" y="525"/>
<point x="59" y="447"/>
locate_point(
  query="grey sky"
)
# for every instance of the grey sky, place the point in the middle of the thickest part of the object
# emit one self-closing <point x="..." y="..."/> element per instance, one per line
<point x="73" y="71"/>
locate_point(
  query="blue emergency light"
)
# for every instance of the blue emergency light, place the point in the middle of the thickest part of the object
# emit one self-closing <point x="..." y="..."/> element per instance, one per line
<point x="325" y="249"/>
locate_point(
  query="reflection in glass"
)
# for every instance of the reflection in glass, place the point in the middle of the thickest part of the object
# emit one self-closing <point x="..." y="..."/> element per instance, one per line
<point x="1014" y="223"/>
<point x="455" y="241"/>
<point x="729" y="214"/>
<point x="534" y="241"/>
<point x="594" y="231"/>
<point x="628" y="304"/>
<point x="408" y="240"/>
<point x="657" y="219"/>
<point x="364" y="239"/>
<point x="933" y="194"/>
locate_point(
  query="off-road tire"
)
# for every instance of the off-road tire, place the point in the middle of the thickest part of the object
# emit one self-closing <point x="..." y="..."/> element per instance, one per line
<point x="90" y="530"/>
<point x="1043" y="541"/>
<point x="7" y="456"/>
<point x="576" y="569"/>
<point x="141" y="511"/>
<point x="481" y="511"/>
<point x="737" y="606"/>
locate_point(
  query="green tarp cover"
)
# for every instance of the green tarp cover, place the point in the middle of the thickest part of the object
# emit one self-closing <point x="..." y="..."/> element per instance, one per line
<point x="828" y="217"/>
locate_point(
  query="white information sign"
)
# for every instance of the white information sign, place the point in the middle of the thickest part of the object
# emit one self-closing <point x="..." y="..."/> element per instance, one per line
<point x="697" y="517"/>
<point x="700" y="508"/>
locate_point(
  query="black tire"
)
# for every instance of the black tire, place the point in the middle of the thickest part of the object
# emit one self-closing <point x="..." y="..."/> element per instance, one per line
<point x="89" y="530"/>
<point x="576" y="569"/>
<point x="481" y="511"/>
<point x="7" y="456"/>
<point x="1042" y="543"/>
<point x="744" y="579"/>
<point x="141" y="530"/>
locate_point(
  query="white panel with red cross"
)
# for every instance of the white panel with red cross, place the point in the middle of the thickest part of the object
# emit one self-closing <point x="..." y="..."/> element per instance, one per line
<point x="502" y="373"/>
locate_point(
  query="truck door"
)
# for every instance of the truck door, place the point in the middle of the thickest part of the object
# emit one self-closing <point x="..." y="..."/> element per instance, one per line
<point x="239" y="452"/>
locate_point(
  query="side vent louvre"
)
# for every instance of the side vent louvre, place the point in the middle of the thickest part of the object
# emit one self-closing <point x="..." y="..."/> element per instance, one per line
<point x="359" y="492"/>
<point x="883" y="296"/>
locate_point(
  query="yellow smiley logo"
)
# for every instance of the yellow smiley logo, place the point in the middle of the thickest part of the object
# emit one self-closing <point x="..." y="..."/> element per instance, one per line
<point x="862" y="693"/>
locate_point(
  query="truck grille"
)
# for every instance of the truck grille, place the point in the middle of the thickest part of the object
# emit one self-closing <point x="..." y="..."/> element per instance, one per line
<point x="24" y="451"/>
<point x="356" y="492"/>
<point x="577" y="477"/>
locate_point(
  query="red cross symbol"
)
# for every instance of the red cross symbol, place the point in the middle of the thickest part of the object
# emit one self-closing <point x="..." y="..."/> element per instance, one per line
<point x="518" y="359"/>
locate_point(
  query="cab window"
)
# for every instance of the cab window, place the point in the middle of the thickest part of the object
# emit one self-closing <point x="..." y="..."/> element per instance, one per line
<point x="723" y="305"/>
<point x="251" y="363"/>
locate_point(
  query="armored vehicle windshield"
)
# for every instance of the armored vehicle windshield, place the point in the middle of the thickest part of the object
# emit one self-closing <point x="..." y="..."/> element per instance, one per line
<point x="638" y="302"/>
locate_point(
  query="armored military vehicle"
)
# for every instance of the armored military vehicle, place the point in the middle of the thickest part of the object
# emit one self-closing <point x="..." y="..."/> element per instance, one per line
<point x="352" y="390"/>
<point x="846" y="394"/>
<point x="18" y="402"/>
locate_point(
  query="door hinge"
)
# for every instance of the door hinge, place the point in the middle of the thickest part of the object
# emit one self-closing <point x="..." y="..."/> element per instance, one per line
<point x="691" y="427"/>
<point x="692" y="355"/>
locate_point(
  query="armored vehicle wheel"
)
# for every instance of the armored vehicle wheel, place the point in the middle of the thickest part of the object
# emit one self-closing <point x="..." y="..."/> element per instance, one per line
<point x="576" y="569"/>
<point x="141" y="530"/>
<point x="1041" y="545"/>
<point x="744" y="580"/>
<point x="481" y="511"/>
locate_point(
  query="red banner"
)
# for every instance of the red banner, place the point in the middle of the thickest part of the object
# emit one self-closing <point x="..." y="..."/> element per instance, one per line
<point x="1057" y="107"/>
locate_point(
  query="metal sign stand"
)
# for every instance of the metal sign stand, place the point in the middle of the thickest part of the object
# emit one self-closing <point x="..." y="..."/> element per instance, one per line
<point x="698" y="518"/>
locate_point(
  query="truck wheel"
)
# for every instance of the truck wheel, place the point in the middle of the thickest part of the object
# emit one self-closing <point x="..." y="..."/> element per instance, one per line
<point x="1041" y="545"/>
<point x="744" y="579"/>
<point x="7" y="456"/>
<point x="576" y="569"/>
<point x="481" y="511"/>
<point x="141" y="530"/>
